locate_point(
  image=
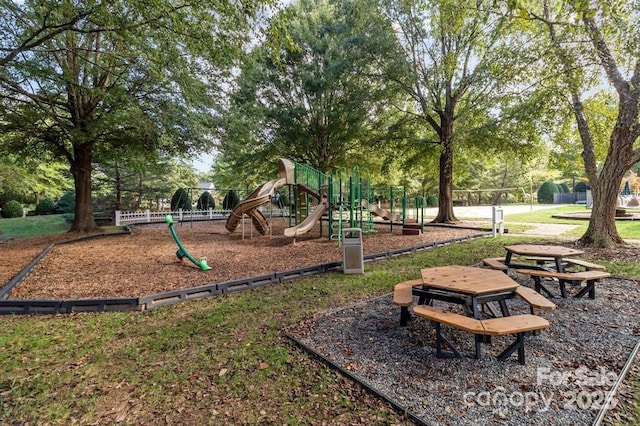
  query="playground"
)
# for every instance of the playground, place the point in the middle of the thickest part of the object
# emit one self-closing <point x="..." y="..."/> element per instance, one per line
<point x="249" y="243"/>
<point x="145" y="261"/>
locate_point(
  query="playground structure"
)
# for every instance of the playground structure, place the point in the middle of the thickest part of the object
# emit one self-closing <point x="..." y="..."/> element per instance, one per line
<point x="261" y="195"/>
<point x="342" y="200"/>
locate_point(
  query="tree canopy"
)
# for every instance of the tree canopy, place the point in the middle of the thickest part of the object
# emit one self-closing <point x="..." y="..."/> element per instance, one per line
<point x="313" y="99"/>
<point x="333" y="83"/>
<point x="594" y="45"/>
<point x="461" y="66"/>
<point x="107" y="75"/>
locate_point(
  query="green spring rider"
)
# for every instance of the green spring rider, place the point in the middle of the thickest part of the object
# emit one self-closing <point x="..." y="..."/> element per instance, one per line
<point x="182" y="252"/>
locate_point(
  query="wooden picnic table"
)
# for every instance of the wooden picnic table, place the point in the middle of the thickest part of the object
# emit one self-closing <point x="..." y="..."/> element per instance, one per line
<point x="557" y="253"/>
<point x="466" y="285"/>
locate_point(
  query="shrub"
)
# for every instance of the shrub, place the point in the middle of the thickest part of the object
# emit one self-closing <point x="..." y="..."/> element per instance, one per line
<point x="582" y="186"/>
<point x="12" y="209"/>
<point x="280" y="199"/>
<point x="206" y="201"/>
<point x="45" y="206"/>
<point x="432" y="200"/>
<point x="565" y="187"/>
<point x="545" y="192"/>
<point x="230" y="200"/>
<point x="284" y="199"/>
<point x="180" y="200"/>
<point x="67" y="203"/>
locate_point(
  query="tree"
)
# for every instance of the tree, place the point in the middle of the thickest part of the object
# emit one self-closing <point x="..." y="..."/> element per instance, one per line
<point x="120" y="73"/>
<point x="460" y="65"/>
<point x="593" y="42"/>
<point x="206" y="201"/>
<point x="27" y="179"/>
<point x="132" y="183"/>
<point x="310" y="100"/>
<point x="601" y="108"/>
<point x="230" y="200"/>
<point x="32" y="31"/>
<point x="181" y="200"/>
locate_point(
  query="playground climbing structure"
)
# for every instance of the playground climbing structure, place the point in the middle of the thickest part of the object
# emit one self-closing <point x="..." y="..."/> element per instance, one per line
<point x="341" y="200"/>
<point x="261" y="195"/>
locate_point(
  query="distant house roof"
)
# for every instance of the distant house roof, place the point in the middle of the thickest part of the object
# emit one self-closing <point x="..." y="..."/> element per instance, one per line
<point x="206" y="186"/>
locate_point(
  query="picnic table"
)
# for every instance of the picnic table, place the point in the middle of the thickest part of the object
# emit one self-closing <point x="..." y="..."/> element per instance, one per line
<point x="473" y="287"/>
<point x="469" y="286"/>
<point x="556" y="253"/>
<point x="560" y="257"/>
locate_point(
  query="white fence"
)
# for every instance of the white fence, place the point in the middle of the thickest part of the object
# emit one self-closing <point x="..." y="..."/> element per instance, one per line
<point x="147" y="216"/>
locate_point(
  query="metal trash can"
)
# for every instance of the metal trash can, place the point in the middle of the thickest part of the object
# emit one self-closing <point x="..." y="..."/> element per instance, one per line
<point x="352" y="258"/>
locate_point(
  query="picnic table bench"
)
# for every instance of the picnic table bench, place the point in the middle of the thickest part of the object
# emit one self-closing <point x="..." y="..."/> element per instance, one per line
<point x="536" y="301"/>
<point x="517" y="325"/>
<point x="471" y="287"/>
<point x="559" y="254"/>
<point x="403" y="294"/>
<point x="591" y="277"/>
<point x="568" y="262"/>
<point x="496" y="263"/>
<point x="403" y="297"/>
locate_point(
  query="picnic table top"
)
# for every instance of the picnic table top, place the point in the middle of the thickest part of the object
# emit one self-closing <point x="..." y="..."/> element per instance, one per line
<point x="542" y="250"/>
<point x="467" y="280"/>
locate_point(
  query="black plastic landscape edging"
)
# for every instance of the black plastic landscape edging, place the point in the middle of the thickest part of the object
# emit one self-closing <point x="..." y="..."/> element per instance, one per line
<point x="369" y="388"/>
<point x="142" y="303"/>
<point x="5" y="291"/>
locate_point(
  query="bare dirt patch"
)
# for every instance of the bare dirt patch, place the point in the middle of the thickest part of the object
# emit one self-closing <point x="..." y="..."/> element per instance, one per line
<point x="145" y="261"/>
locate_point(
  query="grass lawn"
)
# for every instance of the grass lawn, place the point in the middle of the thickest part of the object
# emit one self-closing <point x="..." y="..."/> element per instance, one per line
<point x="626" y="228"/>
<point x="545" y="215"/>
<point x="32" y="226"/>
<point x="214" y="361"/>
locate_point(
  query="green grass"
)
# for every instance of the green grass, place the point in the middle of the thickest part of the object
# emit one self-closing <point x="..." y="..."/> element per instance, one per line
<point x="627" y="229"/>
<point x="32" y="226"/>
<point x="545" y="215"/>
<point x="215" y="361"/>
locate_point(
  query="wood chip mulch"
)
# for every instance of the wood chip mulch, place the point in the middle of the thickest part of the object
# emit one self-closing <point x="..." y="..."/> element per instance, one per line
<point x="145" y="262"/>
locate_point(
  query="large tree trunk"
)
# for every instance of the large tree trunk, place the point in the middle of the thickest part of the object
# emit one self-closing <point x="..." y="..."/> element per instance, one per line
<point x="621" y="155"/>
<point x="605" y="187"/>
<point x="602" y="230"/>
<point x="605" y="184"/>
<point x="445" y="187"/>
<point x="118" y="186"/>
<point x="83" y="221"/>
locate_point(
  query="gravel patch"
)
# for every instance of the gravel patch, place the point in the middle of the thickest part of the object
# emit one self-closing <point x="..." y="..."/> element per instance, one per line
<point x="569" y="369"/>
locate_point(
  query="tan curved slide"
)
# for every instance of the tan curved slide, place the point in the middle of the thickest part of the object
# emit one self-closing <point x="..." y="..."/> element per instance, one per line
<point x="249" y="206"/>
<point x="306" y="225"/>
<point x="377" y="211"/>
